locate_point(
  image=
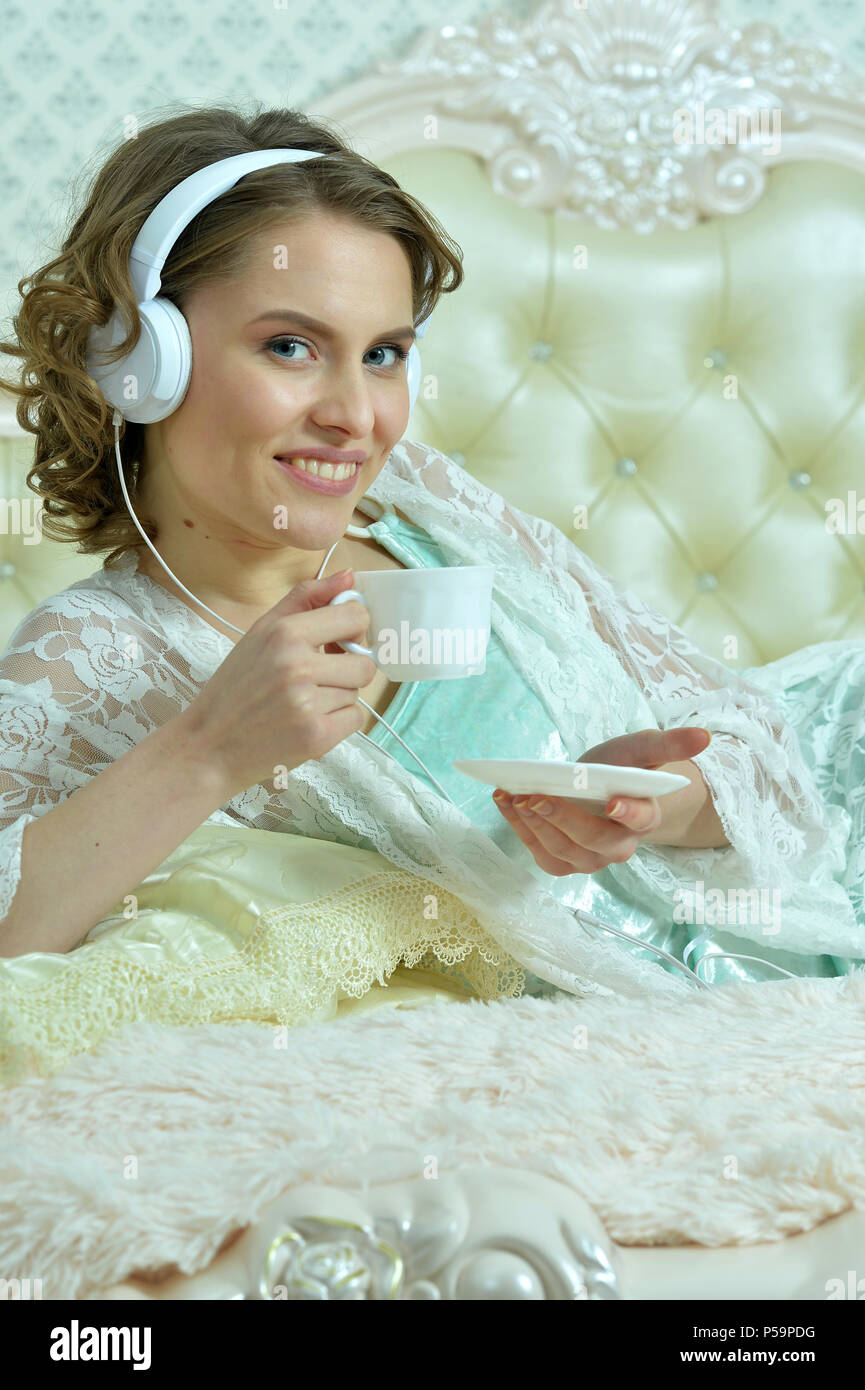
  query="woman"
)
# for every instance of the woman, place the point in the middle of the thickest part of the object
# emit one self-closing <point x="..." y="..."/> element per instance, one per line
<point x="161" y="719"/>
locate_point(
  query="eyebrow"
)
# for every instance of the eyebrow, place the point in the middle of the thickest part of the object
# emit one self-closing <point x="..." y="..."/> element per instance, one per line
<point x="316" y="326"/>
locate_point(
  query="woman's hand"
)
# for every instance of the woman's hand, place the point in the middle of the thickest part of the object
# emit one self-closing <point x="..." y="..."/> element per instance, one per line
<point x="286" y="692"/>
<point x="570" y="839"/>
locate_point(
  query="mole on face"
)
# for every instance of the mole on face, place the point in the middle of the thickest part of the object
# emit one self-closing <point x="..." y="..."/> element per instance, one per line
<point x="187" y="522"/>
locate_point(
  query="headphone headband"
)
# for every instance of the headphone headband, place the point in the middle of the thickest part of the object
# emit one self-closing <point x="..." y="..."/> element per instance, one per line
<point x="150" y="382"/>
<point x="176" y="210"/>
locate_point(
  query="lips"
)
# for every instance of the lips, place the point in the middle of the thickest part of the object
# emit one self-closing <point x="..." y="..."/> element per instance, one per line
<point x="321" y="455"/>
<point x="336" y="487"/>
<point x="338" y="469"/>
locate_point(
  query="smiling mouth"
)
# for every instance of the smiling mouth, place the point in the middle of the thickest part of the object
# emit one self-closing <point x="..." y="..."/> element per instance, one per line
<point x="336" y="472"/>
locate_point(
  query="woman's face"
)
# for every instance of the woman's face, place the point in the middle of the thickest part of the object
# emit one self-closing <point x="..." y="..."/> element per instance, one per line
<point x="265" y="383"/>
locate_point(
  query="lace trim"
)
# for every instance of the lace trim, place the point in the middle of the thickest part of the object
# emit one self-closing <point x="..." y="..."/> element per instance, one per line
<point x="104" y="671"/>
<point x="295" y="963"/>
<point x="10" y="859"/>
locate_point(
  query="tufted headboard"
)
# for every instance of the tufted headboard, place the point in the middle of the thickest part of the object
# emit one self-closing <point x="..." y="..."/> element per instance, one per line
<point x="660" y="342"/>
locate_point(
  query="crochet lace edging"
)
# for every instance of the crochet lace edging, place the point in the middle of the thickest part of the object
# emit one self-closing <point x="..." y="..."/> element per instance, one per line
<point x="296" y="961"/>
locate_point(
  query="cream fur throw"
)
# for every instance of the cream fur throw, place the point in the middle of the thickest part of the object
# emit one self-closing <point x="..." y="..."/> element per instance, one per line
<point x="726" y="1118"/>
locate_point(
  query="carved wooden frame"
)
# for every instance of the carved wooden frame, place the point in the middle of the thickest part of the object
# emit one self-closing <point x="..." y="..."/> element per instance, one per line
<point x="473" y="1234"/>
<point x="584" y="108"/>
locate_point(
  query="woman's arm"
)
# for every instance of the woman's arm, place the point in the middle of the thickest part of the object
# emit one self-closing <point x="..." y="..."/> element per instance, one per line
<point x="567" y="837"/>
<point x="689" y="818"/>
<point x="81" y="857"/>
<point x="783" y="836"/>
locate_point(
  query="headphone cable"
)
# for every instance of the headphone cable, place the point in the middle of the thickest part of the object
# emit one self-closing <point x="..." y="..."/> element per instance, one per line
<point x="581" y="916"/>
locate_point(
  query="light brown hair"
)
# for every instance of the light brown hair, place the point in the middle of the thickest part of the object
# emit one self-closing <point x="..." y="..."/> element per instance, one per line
<point x="74" y="464"/>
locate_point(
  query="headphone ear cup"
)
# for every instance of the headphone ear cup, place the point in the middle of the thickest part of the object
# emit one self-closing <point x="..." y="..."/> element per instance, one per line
<point x="151" y="381"/>
<point x="413" y="374"/>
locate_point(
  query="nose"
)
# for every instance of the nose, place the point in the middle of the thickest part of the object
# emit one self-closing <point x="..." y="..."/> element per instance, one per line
<point x="346" y="402"/>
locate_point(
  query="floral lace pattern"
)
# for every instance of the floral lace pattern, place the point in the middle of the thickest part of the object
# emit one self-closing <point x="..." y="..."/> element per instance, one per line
<point x="214" y="960"/>
<point x="94" y="669"/>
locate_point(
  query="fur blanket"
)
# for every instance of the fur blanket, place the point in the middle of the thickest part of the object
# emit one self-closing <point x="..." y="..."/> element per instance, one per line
<point x="726" y="1118"/>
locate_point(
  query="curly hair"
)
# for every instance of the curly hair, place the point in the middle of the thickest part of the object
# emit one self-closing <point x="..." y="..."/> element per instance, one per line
<point x="74" y="466"/>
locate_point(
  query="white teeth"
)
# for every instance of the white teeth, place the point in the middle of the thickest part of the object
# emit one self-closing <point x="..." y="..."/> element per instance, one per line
<point x="337" y="471"/>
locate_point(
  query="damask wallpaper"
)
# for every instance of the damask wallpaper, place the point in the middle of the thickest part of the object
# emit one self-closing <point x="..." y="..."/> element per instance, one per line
<point x="70" y="75"/>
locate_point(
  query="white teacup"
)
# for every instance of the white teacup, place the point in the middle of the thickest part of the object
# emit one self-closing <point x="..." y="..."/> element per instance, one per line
<point x="429" y="624"/>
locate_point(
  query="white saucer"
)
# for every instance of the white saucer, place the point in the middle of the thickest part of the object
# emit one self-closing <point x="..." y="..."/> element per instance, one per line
<point x="597" y="781"/>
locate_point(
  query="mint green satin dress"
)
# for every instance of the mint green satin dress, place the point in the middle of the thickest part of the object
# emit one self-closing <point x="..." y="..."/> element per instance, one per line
<point x="496" y="715"/>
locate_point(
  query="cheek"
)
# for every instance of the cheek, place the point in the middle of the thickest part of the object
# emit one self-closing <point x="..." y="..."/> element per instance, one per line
<point x="391" y="416"/>
<point x="235" y="403"/>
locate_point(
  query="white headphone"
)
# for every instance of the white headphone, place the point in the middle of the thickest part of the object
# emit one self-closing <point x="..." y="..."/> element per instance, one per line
<point x="150" y="382"/>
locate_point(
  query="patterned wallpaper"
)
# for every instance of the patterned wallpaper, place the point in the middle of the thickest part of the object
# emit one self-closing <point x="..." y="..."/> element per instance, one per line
<point x="72" y="73"/>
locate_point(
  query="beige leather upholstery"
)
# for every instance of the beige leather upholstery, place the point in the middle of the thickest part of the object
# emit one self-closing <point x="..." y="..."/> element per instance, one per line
<point x="682" y="404"/>
<point x="698" y="391"/>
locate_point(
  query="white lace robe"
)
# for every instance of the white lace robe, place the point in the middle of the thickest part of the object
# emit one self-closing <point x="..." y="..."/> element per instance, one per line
<point x="94" y="669"/>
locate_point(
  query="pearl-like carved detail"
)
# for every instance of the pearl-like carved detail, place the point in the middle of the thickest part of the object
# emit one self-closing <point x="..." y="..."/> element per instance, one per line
<point x="706" y="582"/>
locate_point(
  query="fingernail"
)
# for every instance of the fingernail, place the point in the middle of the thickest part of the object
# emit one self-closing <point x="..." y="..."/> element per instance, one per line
<point x="617" y="809"/>
<point x="705" y="731"/>
<point x="542" y="806"/>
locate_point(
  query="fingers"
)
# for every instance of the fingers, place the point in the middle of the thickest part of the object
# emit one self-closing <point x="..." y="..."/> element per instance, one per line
<point x="553" y="843"/>
<point x="642" y="815"/>
<point x="601" y="835"/>
<point x="336" y="697"/>
<point x="650" y="747"/>
<point x="352" y="671"/>
<point x="323" y="625"/>
<point x="584" y="839"/>
<point x="550" y="863"/>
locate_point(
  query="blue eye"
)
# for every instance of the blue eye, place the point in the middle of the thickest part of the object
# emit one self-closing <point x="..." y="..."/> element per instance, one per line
<point x="287" y="338"/>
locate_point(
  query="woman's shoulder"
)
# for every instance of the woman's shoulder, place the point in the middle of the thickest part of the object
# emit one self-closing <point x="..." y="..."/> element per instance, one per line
<point x="104" y="591"/>
<point x="81" y="605"/>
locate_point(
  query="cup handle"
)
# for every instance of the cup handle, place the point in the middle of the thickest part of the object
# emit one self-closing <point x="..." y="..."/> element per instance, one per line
<point x="355" y="647"/>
